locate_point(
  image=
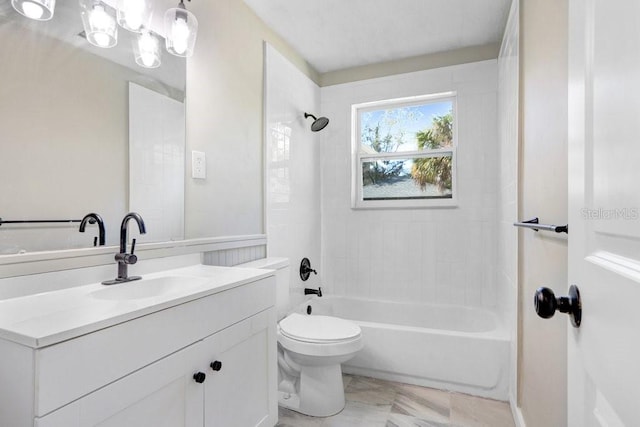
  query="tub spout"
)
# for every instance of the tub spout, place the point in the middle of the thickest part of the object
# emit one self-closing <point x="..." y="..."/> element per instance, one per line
<point x="309" y="291"/>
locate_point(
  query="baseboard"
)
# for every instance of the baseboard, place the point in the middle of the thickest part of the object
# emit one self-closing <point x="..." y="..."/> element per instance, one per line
<point x="517" y="413"/>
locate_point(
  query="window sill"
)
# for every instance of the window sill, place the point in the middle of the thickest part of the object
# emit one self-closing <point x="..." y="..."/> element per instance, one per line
<point x="405" y="204"/>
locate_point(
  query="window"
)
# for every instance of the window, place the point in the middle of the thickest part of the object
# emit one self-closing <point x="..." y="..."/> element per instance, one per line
<point x="404" y="152"/>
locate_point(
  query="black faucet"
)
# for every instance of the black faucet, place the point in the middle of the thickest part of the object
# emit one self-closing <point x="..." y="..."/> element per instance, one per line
<point x="123" y="258"/>
<point x="309" y="291"/>
<point x="92" y="218"/>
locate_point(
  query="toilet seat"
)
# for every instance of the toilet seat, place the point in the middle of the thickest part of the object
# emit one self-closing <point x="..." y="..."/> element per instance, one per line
<point x="318" y="329"/>
<point x="319" y="336"/>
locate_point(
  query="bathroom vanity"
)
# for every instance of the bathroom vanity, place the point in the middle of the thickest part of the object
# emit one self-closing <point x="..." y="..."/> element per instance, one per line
<point x="194" y="346"/>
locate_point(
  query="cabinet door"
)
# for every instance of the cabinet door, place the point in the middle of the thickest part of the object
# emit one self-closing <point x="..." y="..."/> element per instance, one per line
<point x="163" y="394"/>
<point x="243" y="392"/>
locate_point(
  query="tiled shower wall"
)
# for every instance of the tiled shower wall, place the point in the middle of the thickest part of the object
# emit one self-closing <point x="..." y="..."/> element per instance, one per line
<point x="507" y="234"/>
<point x="292" y="169"/>
<point x="437" y="255"/>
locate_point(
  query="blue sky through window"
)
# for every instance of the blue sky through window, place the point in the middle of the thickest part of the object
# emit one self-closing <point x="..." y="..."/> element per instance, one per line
<point x="404" y="122"/>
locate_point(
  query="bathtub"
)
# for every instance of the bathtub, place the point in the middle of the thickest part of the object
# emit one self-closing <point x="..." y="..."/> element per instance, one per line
<point x="447" y="347"/>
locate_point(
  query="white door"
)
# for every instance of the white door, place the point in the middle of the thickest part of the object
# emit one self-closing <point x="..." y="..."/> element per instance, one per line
<point x="604" y="203"/>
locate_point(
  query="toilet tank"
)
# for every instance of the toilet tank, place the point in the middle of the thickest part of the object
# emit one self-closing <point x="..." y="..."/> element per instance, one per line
<point x="281" y="267"/>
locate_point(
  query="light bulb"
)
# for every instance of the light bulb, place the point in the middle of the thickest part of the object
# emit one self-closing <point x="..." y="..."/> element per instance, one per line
<point x="148" y="58"/>
<point x="102" y="26"/>
<point x="180" y="35"/>
<point x="101" y="39"/>
<point x="133" y="14"/>
<point x="181" y="29"/>
<point x="32" y="10"/>
<point x="38" y="10"/>
<point x="99" y="19"/>
<point x="147" y="50"/>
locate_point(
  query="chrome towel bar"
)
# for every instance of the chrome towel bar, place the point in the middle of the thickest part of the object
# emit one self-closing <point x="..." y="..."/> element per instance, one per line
<point x="534" y="224"/>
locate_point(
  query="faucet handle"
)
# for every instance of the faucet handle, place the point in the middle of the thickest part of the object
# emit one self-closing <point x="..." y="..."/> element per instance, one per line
<point x="131" y="258"/>
<point x="127" y="258"/>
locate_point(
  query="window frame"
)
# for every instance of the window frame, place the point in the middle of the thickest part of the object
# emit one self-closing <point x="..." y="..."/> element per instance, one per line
<point x="358" y="158"/>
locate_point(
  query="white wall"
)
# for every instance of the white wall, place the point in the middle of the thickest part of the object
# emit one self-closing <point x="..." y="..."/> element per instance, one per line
<point x="507" y="234"/>
<point x="543" y="188"/>
<point x="224" y="106"/>
<point x="444" y="255"/>
<point x="292" y="158"/>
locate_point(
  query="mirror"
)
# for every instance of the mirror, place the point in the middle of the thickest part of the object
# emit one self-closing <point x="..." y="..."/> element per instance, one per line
<point x="65" y="133"/>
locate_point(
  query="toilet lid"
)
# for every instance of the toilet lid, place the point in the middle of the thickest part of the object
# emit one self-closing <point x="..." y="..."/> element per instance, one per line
<point x="318" y="328"/>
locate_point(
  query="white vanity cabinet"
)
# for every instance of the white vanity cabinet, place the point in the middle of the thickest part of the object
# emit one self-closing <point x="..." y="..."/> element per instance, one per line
<point x="161" y="394"/>
<point x="154" y="370"/>
<point x="242" y="374"/>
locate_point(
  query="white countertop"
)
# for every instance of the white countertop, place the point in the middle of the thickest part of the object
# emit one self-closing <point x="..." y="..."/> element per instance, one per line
<point x="48" y="318"/>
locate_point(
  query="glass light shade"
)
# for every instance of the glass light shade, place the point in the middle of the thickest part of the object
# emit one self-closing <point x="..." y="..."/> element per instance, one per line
<point x="99" y="23"/>
<point x="181" y="29"/>
<point x="134" y="15"/>
<point x="147" y="50"/>
<point x="40" y="10"/>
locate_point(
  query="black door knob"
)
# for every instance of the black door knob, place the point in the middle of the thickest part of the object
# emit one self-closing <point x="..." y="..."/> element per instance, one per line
<point x="546" y="304"/>
<point x="199" y="377"/>
<point x="216" y="366"/>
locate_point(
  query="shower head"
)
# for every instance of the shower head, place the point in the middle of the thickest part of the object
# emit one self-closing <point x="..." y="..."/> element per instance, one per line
<point x="318" y="123"/>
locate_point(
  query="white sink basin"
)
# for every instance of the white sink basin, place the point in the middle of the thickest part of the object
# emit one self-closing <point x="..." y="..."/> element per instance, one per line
<point x="148" y="288"/>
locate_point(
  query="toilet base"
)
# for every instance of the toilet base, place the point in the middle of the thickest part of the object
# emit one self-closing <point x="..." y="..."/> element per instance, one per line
<point x="321" y="392"/>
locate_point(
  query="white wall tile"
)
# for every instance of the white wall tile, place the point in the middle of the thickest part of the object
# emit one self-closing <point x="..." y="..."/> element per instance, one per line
<point x="292" y="167"/>
<point x="507" y="177"/>
<point x="411" y="254"/>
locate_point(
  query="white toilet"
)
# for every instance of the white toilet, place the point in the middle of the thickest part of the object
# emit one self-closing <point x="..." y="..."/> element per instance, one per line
<point x="311" y="349"/>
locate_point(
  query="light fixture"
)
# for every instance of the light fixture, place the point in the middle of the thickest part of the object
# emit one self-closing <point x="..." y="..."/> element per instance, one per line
<point x="147" y="50"/>
<point x="134" y="15"/>
<point x="181" y="28"/>
<point x="40" y="10"/>
<point x="99" y="23"/>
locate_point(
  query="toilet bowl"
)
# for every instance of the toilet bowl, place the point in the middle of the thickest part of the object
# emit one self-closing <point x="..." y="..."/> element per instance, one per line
<point x="311" y="349"/>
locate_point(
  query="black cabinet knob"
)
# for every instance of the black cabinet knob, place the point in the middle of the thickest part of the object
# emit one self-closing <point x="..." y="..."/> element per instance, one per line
<point x="216" y="366"/>
<point x="199" y="377"/>
<point x="546" y="304"/>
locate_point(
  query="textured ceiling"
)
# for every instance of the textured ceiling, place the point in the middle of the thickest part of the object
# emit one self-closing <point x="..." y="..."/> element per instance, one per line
<point x="338" y="34"/>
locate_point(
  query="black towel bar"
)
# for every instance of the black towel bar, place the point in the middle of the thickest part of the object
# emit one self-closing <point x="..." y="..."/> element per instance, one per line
<point x="42" y="221"/>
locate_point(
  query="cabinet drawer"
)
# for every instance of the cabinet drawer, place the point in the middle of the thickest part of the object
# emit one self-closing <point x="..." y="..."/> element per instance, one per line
<point x="74" y="368"/>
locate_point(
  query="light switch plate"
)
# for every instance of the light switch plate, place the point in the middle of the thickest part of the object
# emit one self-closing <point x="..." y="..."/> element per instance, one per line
<point x="198" y="165"/>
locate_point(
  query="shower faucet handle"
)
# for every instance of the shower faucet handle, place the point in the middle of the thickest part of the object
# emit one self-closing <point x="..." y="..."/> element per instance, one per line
<point x="305" y="269"/>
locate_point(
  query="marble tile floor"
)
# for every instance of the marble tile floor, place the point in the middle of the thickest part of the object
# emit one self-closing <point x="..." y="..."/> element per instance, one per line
<point x="377" y="403"/>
